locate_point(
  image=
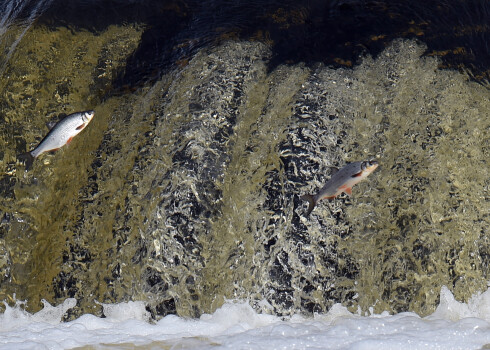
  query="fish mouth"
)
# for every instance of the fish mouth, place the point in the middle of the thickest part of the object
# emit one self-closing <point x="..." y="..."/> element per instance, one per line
<point x="369" y="165"/>
<point x="89" y="114"/>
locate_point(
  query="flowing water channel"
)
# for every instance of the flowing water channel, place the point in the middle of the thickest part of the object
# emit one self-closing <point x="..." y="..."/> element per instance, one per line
<point x="185" y="192"/>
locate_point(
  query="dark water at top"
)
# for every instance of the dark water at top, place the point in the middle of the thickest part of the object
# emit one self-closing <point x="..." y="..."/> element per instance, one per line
<point x="336" y="33"/>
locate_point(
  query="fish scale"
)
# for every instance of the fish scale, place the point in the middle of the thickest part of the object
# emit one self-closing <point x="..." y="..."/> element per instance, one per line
<point x="61" y="134"/>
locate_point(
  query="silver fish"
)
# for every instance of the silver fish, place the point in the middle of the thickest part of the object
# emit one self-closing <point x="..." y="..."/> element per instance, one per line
<point x="61" y="134"/>
<point x="341" y="181"/>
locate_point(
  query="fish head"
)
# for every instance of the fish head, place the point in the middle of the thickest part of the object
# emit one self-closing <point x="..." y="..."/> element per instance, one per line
<point x="369" y="166"/>
<point x="87" y="116"/>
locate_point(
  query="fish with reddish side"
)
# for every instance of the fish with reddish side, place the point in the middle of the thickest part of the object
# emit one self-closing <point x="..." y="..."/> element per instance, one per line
<point x="342" y="181"/>
<point x="61" y="134"/>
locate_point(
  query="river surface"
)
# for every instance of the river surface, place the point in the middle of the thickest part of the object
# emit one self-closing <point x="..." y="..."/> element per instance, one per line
<point x="211" y="120"/>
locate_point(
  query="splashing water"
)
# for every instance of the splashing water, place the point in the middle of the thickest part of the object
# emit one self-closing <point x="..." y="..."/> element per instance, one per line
<point x="236" y="325"/>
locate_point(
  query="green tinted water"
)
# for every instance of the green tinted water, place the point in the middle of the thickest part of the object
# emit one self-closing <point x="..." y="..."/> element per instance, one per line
<point x="186" y="192"/>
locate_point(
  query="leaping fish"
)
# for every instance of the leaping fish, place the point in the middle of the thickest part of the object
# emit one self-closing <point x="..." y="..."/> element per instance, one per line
<point x="61" y="134"/>
<point x="341" y="181"/>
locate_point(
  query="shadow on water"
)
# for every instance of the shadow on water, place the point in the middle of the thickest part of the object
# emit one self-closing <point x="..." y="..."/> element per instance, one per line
<point x="337" y="33"/>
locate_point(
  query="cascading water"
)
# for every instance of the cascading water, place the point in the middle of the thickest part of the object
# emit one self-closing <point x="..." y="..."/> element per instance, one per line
<point x="185" y="192"/>
<point x="16" y="17"/>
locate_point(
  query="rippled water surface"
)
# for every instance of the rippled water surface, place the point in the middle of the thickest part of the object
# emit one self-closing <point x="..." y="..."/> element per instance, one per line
<point x="184" y="190"/>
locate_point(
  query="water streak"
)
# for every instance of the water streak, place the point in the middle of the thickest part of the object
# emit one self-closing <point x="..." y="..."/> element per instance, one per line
<point x="21" y="15"/>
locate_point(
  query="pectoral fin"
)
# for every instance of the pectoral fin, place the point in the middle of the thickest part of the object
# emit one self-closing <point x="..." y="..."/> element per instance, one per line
<point x="81" y="126"/>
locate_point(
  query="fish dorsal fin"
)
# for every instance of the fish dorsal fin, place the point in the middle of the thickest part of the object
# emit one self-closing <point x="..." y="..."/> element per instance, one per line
<point x="51" y="124"/>
<point x="55" y="120"/>
<point x="333" y="170"/>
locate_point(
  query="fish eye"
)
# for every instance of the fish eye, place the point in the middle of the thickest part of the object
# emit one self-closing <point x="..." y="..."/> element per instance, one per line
<point x="368" y="164"/>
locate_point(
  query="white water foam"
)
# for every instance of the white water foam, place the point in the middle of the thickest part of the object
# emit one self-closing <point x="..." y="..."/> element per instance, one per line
<point x="236" y="325"/>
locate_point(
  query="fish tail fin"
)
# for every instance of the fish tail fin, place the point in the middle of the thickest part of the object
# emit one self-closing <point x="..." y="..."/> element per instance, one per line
<point x="26" y="158"/>
<point x="312" y="202"/>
